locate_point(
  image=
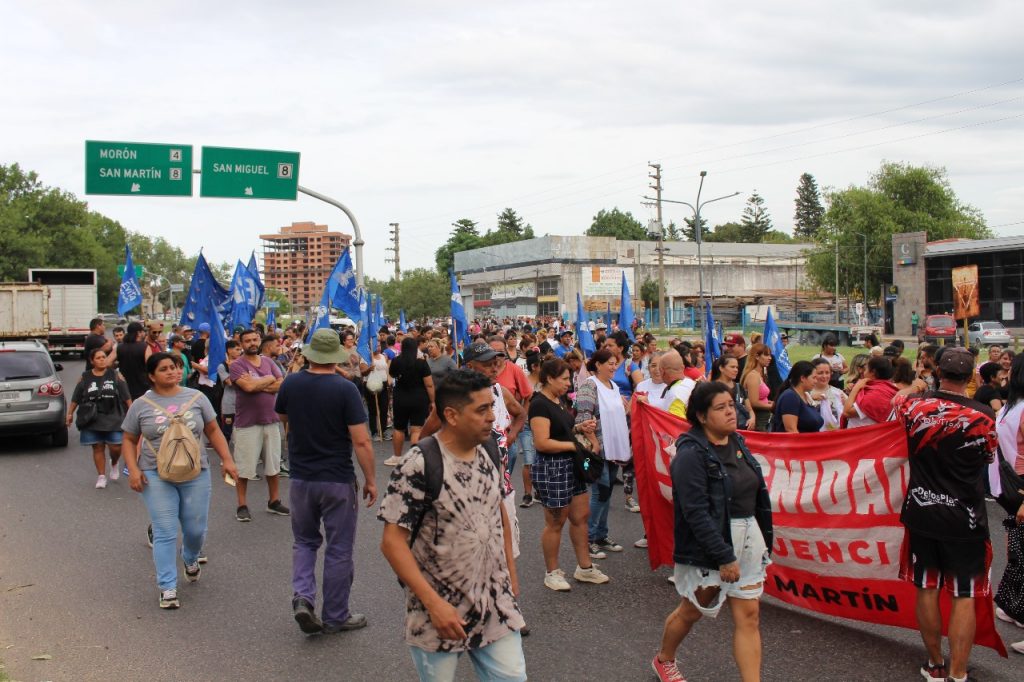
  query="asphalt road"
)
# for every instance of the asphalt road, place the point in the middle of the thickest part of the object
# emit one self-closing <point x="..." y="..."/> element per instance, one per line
<point x="77" y="584"/>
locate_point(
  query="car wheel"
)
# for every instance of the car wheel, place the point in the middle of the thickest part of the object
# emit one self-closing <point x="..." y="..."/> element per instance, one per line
<point x="60" y="437"/>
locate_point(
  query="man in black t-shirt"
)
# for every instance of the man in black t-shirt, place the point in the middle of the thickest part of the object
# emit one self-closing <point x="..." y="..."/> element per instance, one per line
<point x="97" y="338"/>
<point x="327" y="425"/>
<point x="951" y="442"/>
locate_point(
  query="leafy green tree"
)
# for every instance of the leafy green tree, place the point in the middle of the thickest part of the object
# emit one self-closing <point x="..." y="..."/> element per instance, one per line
<point x="618" y="224"/>
<point x="673" y="233"/>
<point x="649" y="293"/>
<point x="691" y="234"/>
<point x="464" y="237"/>
<point x="511" y="225"/>
<point x="809" y="211"/>
<point x="756" y="221"/>
<point x="898" y="198"/>
<point x="727" y="232"/>
<point x="421" y="292"/>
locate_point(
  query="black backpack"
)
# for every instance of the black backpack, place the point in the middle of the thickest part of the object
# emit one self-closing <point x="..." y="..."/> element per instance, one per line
<point x="433" y="473"/>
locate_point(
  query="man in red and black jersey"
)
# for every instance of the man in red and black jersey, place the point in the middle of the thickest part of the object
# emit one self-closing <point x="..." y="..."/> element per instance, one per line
<point x="951" y="441"/>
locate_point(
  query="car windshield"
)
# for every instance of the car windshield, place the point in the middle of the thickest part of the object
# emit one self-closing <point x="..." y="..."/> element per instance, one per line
<point x="26" y="365"/>
<point x="941" y="322"/>
<point x="992" y="325"/>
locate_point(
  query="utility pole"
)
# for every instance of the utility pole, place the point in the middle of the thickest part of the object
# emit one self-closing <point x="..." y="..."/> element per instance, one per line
<point x="837" y="278"/>
<point x="656" y="176"/>
<point x="396" y="260"/>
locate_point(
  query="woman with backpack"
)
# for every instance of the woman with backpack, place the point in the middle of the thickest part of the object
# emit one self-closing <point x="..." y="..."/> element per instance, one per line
<point x="168" y="464"/>
<point x="101" y="398"/>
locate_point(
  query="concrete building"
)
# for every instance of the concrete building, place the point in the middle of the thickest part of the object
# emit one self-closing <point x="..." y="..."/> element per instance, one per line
<point x="298" y="259"/>
<point x="542" y="276"/>
<point x="922" y="275"/>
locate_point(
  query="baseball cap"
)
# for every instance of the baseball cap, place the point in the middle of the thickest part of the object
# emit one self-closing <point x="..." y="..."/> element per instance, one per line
<point x="957" y="361"/>
<point x="186" y="328"/>
<point x="479" y="352"/>
<point x="204" y="328"/>
<point x="567" y="332"/>
<point x="784" y="336"/>
<point x="175" y="338"/>
<point x="734" y="340"/>
<point x="601" y="325"/>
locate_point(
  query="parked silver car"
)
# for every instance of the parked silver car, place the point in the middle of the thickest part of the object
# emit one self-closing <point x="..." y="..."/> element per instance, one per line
<point x="988" y="334"/>
<point x="32" y="400"/>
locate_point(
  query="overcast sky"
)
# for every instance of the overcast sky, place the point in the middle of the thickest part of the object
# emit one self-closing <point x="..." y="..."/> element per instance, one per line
<point x="422" y="113"/>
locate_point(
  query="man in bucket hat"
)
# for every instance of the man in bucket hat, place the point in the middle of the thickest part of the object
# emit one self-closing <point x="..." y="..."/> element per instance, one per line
<point x="327" y="422"/>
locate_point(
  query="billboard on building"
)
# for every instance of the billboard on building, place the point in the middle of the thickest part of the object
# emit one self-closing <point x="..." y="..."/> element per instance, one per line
<point x="965" y="292"/>
<point x="606" y="281"/>
<point x="512" y="291"/>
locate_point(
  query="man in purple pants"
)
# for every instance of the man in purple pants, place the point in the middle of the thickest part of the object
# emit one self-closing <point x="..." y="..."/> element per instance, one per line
<point x="326" y="421"/>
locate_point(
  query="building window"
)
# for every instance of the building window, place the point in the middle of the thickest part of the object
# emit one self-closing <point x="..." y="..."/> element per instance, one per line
<point x="547" y="309"/>
<point x="480" y="294"/>
<point x="547" y="287"/>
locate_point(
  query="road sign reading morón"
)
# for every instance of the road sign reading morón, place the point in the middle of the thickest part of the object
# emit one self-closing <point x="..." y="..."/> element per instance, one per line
<point x="249" y="173"/>
<point x="138" y="168"/>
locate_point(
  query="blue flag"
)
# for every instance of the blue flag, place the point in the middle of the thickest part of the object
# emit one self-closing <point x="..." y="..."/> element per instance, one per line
<point x="254" y="270"/>
<point x="205" y="298"/>
<point x="712" y="345"/>
<point x="380" y="313"/>
<point x="460" y="331"/>
<point x="271" y="319"/>
<point x="774" y="343"/>
<point x="366" y="337"/>
<point x="130" y="294"/>
<point x="583" y="334"/>
<point x="402" y="324"/>
<point x="626" y="310"/>
<point x="203" y="285"/>
<point x="371" y="302"/>
<point x="321" y="314"/>
<point x="245" y="297"/>
<point x="608" y="317"/>
<point x="341" y="287"/>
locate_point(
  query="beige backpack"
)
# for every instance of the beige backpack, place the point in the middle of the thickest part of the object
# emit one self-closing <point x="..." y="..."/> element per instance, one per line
<point x="179" y="458"/>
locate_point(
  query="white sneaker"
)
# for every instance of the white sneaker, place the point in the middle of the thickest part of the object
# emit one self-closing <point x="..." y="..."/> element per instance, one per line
<point x="590" y="575"/>
<point x="641" y="543"/>
<point x="672" y="579"/>
<point x="1018" y="647"/>
<point x="392" y="461"/>
<point x="101" y="482"/>
<point x="632" y="506"/>
<point x="555" y="580"/>
<point x="115" y="473"/>
<point x="1003" y="616"/>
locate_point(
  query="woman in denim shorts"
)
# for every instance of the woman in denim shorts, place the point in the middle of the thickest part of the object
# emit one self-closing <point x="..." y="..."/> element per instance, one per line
<point x="723" y="531"/>
<point x="101" y="399"/>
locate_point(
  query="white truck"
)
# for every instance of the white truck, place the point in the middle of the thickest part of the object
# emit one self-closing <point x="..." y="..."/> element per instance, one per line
<point x="24" y="311"/>
<point x="73" y="303"/>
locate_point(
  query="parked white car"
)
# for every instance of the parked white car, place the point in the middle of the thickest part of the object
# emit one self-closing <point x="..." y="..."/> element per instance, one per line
<point x="988" y="334"/>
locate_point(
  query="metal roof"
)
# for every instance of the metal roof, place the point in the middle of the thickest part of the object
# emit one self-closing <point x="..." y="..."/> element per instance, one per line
<point x="962" y="246"/>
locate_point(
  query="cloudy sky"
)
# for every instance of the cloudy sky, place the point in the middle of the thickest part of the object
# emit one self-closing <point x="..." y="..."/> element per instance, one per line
<point x="422" y="113"/>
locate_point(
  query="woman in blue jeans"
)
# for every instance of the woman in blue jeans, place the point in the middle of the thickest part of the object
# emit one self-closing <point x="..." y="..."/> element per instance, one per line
<point x="599" y="398"/>
<point x="172" y="505"/>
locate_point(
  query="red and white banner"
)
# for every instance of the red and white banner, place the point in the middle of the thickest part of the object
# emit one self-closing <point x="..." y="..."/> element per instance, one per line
<point x="836" y="499"/>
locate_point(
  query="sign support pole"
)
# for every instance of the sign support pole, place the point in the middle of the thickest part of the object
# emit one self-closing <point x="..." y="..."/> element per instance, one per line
<point x="358" y="242"/>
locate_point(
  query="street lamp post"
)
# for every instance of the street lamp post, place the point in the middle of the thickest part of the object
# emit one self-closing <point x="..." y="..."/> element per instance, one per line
<point x="698" y="236"/>
<point x="867" y="310"/>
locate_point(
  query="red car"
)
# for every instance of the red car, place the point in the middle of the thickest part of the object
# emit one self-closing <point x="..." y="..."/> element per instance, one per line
<point x="939" y="329"/>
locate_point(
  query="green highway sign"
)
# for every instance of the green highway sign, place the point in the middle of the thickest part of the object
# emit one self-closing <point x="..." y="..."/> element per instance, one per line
<point x="249" y="173"/>
<point x="138" y="168"/>
<point x="140" y="270"/>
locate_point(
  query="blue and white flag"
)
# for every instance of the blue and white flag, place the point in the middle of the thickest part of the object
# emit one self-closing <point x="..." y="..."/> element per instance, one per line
<point x="271" y="320"/>
<point x="366" y="336"/>
<point x="380" y="313"/>
<point x="460" y="332"/>
<point x="321" y="315"/>
<point x="712" y="344"/>
<point x="775" y="345"/>
<point x="254" y="270"/>
<point x="341" y="285"/>
<point x="245" y="297"/>
<point x="608" y="317"/>
<point x="202" y="304"/>
<point x="626" y="310"/>
<point x="130" y="294"/>
<point x="583" y="334"/>
<point x="402" y="324"/>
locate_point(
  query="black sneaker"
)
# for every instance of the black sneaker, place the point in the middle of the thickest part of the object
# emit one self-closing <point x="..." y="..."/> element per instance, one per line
<point x="608" y="545"/>
<point x="242" y="514"/>
<point x="527" y="501"/>
<point x="149" y="536"/>
<point x="302" y="610"/>
<point x="193" y="572"/>
<point x="285" y="471"/>
<point x="354" y="622"/>
<point x="276" y="507"/>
